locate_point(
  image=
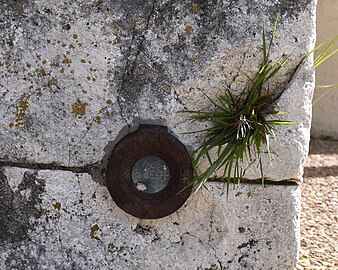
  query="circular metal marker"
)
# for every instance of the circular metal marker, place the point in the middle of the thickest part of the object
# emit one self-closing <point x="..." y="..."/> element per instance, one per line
<point x="148" y="173"/>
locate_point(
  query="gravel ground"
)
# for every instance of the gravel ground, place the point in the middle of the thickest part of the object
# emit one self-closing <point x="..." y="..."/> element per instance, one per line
<point x="319" y="217"/>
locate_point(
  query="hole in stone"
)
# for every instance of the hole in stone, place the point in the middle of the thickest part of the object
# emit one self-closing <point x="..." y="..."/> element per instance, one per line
<point x="150" y="174"/>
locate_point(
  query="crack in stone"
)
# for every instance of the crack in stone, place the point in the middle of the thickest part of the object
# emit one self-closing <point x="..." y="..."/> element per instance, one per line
<point x="209" y="245"/>
<point x="49" y="166"/>
<point x="120" y="99"/>
<point x="211" y="221"/>
<point x="238" y="71"/>
<point x="177" y="98"/>
<point x="143" y="36"/>
<point x="128" y="59"/>
<point x="130" y="66"/>
<point x="88" y="128"/>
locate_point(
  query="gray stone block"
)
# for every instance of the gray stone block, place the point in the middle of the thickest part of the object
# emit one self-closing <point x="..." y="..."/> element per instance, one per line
<point x="74" y="74"/>
<point x="64" y="220"/>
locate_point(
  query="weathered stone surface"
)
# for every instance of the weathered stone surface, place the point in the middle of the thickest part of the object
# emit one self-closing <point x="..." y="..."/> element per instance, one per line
<point x="63" y="220"/>
<point x="73" y="74"/>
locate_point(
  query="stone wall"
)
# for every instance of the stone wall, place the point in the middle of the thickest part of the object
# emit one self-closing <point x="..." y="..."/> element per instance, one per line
<point x="75" y="76"/>
<point x="324" y="123"/>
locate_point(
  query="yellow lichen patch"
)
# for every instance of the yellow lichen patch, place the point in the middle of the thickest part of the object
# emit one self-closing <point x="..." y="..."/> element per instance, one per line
<point x="38" y="91"/>
<point x="93" y="230"/>
<point x="167" y="88"/>
<point x="98" y="120"/>
<point x="83" y="61"/>
<point x="195" y="10"/>
<point x="20" y="7"/>
<point x="42" y="72"/>
<point x="117" y="40"/>
<point x="71" y="46"/>
<point x="168" y="37"/>
<point x="52" y="82"/>
<point x="62" y="70"/>
<point x="110" y="132"/>
<point x="183" y="45"/>
<point x="157" y="22"/>
<point x="11" y="125"/>
<point x="66" y="60"/>
<point x="109" y="101"/>
<point x="79" y="108"/>
<point x="44" y="62"/>
<point x="189" y="29"/>
<point x="75" y="36"/>
<point x="93" y="79"/>
<point x="21" y="109"/>
<point x="57" y="205"/>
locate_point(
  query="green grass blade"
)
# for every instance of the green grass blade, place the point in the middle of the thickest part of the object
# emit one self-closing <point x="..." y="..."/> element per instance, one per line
<point x="324" y="94"/>
<point x="265" y="59"/>
<point x="273" y="34"/>
<point x="280" y="123"/>
<point x="311" y="52"/>
<point x="322" y="55"/>
<point x="322" y="60"/>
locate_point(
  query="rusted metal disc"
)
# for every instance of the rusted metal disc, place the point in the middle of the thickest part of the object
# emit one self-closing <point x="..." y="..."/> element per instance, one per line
<point x="149" y="140"/>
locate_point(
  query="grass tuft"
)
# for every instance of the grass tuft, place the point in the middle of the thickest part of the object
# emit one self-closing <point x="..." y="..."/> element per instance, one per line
<point x="242" y="124"/>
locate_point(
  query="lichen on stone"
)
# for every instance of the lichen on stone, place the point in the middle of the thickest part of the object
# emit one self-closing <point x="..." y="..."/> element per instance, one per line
<point x="21" y="108"/>
<point x="79" y="108"/>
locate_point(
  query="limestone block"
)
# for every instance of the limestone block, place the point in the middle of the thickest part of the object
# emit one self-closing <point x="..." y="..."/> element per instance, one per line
<point x="74" y="73"/>
<point x="64" y="220"/>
